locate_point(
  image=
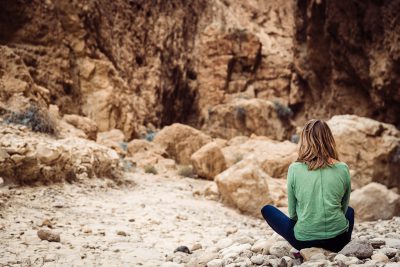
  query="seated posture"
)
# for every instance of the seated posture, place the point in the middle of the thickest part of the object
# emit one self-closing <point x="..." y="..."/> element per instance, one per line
<point x="318" y="188"/>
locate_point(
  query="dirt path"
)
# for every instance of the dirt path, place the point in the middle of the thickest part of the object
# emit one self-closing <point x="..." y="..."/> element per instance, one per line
<point x="105" y="226"/>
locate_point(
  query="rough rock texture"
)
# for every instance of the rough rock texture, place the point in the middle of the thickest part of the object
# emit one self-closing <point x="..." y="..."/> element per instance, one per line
<point x="374" y="201"/>
<point x="181" y="141"/>
<point x="246" y="117"/>
<point x="274" y="157"/>
<point x="85" y="124"/>
<point x="28" y="157"/>
<point x="208" y="161"/>
<point x="48" y="235"/>
<point x="369" y="147"/>
<point x="361" y="249"/>
<point x="347" y="58"/>
<point x="244" y="186"/>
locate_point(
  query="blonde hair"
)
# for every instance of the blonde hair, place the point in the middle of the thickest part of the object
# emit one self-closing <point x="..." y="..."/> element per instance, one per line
<point x="317" y="145"/>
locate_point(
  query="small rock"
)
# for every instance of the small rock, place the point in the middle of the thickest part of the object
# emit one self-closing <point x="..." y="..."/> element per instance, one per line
<point x="121" y="233"/>
<point x="280" y="249"/>
<point x="392" y="243"/>
<point x="313" y="254"/>
<point x="1" y="181"/>
<point x="261" y="247"/>
<point x="377" y="242"/>
<point x="215" y="263"/>
<point x="257" y="259"/>
<point x="224" y="243"/>
<point x="390" y="252"/>
<point x="380" y="257"/>
<point x="231" y="230"/>
<point x="183" y="249"/>
<point x="196" y="246"/>
<point x="361" y="249"/>
<point x="48" y="235"/>
<point x="47" y="222"/>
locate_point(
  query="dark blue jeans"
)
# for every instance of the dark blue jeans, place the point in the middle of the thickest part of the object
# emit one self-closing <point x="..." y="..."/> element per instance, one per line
<point x="284" y="226"/>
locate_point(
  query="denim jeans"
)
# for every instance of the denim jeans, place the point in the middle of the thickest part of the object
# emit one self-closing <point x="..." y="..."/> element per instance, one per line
<point x="284" y="226"/>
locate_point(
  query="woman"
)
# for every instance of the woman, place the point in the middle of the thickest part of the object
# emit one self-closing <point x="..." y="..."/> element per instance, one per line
<point x="318" y="188"/>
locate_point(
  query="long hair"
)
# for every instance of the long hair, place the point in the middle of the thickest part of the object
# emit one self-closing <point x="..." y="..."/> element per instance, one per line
<point x="317" y="145"/>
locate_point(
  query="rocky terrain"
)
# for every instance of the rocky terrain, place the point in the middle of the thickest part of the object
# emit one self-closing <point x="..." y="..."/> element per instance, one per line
<point x="151" y="133"/>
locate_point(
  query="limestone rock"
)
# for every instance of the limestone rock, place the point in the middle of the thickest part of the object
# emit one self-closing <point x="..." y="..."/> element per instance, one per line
<point x="244" y="186"/>
<point x="361" y="249"/>
<point x="370" y="148"/>
<point x="48" y="235"/>
<point x="208" y="161"/>
<point x="181" y="141"/>
<point x="280" y="249"/>
<point x="380" y="257"/>
<point x="143" y="153"/>
<point x="374" y="201"/>
<point x="313" y="254"/>
<point x="112" y="139"/>
<point x="246" y="117"/>
<point x="88" y="126"/>
<point x="39" y="158"/>
<point x="211" y="191"/>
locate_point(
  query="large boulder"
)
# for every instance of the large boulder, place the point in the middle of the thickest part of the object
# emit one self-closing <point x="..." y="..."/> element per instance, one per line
<point x="374" y="201"/>
<point x="88" y="126"/>
<point x="181" y="141"/>
<point x="370" y="148"/>
<point x="208" y="161"/>
<point x="28" y="157"/>
<point x="244" y="186"/>
<point x="274" y="157"/>
<point x="113" y="139"/>
<point x="249" y="116"/>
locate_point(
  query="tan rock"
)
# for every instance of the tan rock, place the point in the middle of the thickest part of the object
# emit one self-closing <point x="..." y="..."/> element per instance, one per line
<point x="369" y="147"/>
<point x="48" y="235"/>
<point x="380" y="257"/>
<point x="181" y="141"/>
<point x="246" y="117"/>
<point x="374" y="201"/>
<point x="113" y="139"/>
<point x="314" y="253"/>
<point x="211" y="191"/>
<point x="144" y="153"/>
<point x="40" y="158"/>
<point x="274" y="157"/>
<point x="208" y="161"/>
<point x="244" y="186"/>
<point x="88" y="126"/>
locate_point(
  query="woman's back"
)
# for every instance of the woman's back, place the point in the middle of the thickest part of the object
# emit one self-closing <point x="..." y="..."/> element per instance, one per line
<point x="318" y="200"/>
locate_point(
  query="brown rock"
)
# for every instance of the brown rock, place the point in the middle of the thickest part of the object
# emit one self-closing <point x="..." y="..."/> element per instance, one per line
<point x="181" y="141"/>
<point x="369" y="147"/>
<point x="246" y="117"/>
<point x="244" y="186"/>
<point x="88" y="126"/>
<point x="112" y="139"/>
<point x="208" y="161"/>
<point x="374" y="201"/>
<point x="48" y="235"/>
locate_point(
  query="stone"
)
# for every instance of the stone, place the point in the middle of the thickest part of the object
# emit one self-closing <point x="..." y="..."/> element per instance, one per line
<point x="377" y="242"/>
<point x="390" y="252"/>
<point x="215" y="263"/>
<point x="392" y="243"/>
<point x="361" y="249"/>
<point x="257" y="259"/>
<point x="369" y="148"/>
<point x="280" y="249"/>
<point x="208" y="161"/>
<point x="88" y="126"/>
<point x="121" y="233"/>
<point x="211" y="191"/>
<point x="244" y="186"/>
<point x="380" y="257"/>
<point x="183" y="249"/>
<point x="364" y="201"/>
<point x="246" y="117"/>
<point x="313" y="254"/>
<point x="262" y="247"/>
<point x="48" y="235"/>
<point x="181" y="141"/>
<point x="196" y="246"/>
<point x="112" y="139"/>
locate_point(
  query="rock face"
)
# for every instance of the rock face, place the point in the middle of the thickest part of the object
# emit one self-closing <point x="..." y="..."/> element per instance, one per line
<point x="346" y="58"/>
<point x="28" y="157"/>
<point x="248" y="116"/>
<point x="245" y="187"/>
<point x="208" y="161"/>
<point x="374" y="201"/>
<point x="85" y="124"/>
<point x="370" y="148"/>
<point x="181" y="141"/>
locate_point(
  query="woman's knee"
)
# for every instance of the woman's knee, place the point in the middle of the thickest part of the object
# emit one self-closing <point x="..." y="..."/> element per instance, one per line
<point x="267" y="210"/>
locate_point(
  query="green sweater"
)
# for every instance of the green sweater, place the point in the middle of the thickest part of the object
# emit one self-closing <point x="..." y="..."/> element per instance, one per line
<point x="318" y="200"/>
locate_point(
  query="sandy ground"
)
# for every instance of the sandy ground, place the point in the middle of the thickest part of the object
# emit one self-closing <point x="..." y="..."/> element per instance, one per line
<point x="103" y="225"/>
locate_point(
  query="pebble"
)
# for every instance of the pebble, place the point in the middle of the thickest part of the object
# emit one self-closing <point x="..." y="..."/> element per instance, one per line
<point x="261" y="247"/>
<point x="215" y="263"/>
<point x="257" y="259"/>
<point x="196" y="246"/>
<point x="380" y="257"/>
<point x="183" y="249"/>
<point x="280" y="249"/>
<point x="48" y="235"/>
<point x="361" y="249"/>
<point x="121" y="233"/>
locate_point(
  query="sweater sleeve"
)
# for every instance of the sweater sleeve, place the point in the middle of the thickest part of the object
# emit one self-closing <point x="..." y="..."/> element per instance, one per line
<point x="346" y="196"/>
<point x="291" y="196"/>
